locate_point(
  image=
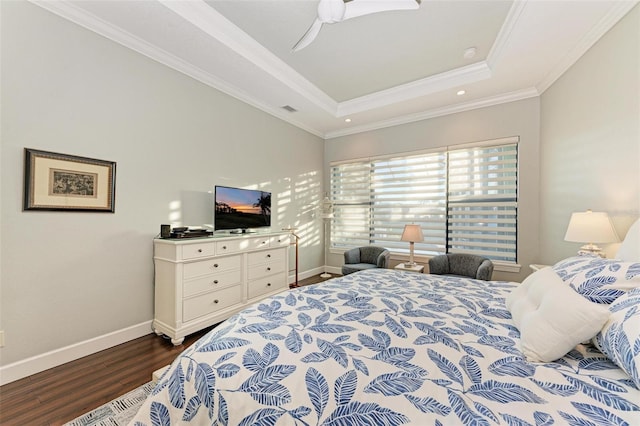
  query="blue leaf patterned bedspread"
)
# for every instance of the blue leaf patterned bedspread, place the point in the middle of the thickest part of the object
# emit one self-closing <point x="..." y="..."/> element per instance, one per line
<point x="384" y="347"/>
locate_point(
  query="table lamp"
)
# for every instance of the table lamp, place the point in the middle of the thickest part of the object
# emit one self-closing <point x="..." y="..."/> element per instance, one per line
<point x="412" y="234"/>
<point x="591" y="227"/>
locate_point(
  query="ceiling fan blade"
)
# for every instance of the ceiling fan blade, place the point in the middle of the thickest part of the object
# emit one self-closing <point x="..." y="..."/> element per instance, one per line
<point x="309" y="36"/>
<point x="355" y="8"/>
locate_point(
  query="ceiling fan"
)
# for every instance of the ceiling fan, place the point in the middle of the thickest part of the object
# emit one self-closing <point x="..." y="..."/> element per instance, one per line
<point x="333" y="11"/>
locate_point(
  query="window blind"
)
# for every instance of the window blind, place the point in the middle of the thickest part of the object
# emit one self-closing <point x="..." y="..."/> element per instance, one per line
<point x="465" y="200"/>
<point x="482" y="201"/>
<point x="373" y="201"/>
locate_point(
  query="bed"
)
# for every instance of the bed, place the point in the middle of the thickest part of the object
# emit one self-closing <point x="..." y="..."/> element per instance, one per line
<point x="386" y="347"/>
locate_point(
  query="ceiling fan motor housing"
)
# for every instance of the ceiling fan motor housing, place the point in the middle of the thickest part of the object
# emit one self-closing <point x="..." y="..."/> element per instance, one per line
<point x="331" y="11"/>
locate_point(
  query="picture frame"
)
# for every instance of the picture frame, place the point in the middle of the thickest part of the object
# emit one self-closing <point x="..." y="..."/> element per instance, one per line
<point x="62" y="182"/>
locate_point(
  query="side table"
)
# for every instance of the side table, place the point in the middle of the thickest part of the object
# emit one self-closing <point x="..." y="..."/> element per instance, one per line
<point x="411" y="268"/>
<point x="537" y="266"/>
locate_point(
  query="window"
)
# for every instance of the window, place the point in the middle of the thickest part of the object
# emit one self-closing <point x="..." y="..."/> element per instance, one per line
<point x="464" y="199"/>
<point x="482" y="201"/>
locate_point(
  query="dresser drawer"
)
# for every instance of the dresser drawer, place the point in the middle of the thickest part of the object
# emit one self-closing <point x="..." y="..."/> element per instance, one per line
<point x="210" y="303"/>
<point x="194" y="251"/>
<point x="267" y="285"/>
<point x="264" y="269"/>
<point x="231" y="246"/>
<point x="280" y="240"/>
<point x="265" y="256"/>
<point x="212" y="282"/>
<point x="211" y="266"/>
<point x="258" y="243"/>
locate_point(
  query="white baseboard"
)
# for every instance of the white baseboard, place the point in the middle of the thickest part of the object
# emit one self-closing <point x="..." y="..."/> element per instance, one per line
<point x="26" y="367"/>
<point x="314" y="272"/>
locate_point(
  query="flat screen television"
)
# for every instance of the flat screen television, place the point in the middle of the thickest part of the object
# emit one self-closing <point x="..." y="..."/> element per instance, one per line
<point x="241" y="209"/>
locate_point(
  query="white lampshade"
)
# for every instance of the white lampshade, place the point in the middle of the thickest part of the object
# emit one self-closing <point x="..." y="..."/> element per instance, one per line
<point x="591" y="227"/>
<point x="412" y="233"/>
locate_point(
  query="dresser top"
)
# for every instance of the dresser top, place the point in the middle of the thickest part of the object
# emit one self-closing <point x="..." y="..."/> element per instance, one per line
<point x="218" y="237"/>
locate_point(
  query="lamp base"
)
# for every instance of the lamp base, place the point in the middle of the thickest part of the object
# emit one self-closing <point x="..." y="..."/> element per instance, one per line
<point x="325" y="275"/>
<point x="591" y="250"/>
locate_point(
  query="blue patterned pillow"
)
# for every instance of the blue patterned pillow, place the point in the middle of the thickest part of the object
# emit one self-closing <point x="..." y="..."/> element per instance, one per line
<point x="619" y="339"/>
<point x="599" y="280"/>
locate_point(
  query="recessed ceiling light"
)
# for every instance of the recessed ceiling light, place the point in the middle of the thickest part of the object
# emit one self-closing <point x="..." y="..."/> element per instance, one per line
<point x="470" y="53"/>
<point x="347" y="120"/>
<point x="461" y="92"/>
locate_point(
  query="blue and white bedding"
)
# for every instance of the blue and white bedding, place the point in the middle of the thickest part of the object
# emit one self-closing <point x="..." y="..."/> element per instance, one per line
<point x="384" y="347"/>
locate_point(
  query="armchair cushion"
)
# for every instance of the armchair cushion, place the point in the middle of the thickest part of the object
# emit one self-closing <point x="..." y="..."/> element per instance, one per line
<point x="360" y="258"/>
<point x="461" y="264"/>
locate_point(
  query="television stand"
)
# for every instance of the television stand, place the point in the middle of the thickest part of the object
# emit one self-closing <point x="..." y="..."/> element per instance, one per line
<point x="201" y="282"/>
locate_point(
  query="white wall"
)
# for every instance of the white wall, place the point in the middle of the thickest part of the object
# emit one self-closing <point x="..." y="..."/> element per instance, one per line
<point x="590" y="140"/>
<point x="513" y="119"/>
<point x="68" y="277"/>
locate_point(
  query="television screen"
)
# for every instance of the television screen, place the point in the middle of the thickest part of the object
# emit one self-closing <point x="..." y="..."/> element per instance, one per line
<point x="238" y="208"/>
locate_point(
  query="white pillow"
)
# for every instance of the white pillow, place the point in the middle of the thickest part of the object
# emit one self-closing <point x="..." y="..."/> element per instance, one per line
<point x="629" y="251"/>
<point x="551" y="317"/>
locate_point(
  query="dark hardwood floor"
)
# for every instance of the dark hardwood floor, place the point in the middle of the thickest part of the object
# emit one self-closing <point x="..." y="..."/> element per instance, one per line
<point x="60" y="394"/>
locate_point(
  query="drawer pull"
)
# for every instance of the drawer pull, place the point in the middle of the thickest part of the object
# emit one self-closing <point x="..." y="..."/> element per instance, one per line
<point x="264" y="242"/>
<point x="224" y="247"/>
<point x="215" y="265"/>
<point x="268" y="269"/>
<point x="215" y="281"/>
<point x="216" y="301"/>
<point x="199" y="250"/>
<point x="268" y="284"/>
<point x="268" y="255"/>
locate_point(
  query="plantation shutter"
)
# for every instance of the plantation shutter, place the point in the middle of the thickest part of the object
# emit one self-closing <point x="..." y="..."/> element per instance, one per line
<point x="351" y="196"/>
<point x="410" y="189"/>
<point x="482" y="206"/>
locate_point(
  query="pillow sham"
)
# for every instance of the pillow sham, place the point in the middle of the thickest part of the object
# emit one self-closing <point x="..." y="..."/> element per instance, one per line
<point x="630" y="248"/>
<point x="619" y="339"/>
<point x="599" y="280"/>
<point x="551" y="317"/>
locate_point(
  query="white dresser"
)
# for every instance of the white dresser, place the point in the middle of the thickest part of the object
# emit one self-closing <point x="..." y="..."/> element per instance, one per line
<point x="200" y="282"/>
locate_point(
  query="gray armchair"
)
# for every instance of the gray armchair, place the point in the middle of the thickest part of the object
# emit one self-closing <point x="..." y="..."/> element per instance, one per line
<point x="462" y="265"/>
<point x="361" y="258"/>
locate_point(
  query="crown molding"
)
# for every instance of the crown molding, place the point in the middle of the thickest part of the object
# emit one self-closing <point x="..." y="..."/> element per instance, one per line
<point x="435" y="83"/>
<point x="617" y="12"/>
<point x="81" y="17"/>
<point x="199" y="13"/>
<point x="213" y="23"/>
<point x="503" y="37"/>
<point x="439" y="112"/>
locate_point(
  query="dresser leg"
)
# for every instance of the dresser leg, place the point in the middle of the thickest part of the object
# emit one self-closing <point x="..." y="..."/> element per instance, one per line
<point x="177" y="342"/>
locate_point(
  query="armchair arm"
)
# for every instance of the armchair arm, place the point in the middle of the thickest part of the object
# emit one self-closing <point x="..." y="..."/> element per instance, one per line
<point x="485" y="270"/>
<point x="383" y="259"/>
<point x="352" y="256"/>
<point x="439" y="265"/>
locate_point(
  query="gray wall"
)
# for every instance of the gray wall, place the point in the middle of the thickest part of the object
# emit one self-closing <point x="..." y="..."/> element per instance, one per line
<point x="69" y="277"/>
<point x="590" y="140"/>
<point x="513" y="119"/>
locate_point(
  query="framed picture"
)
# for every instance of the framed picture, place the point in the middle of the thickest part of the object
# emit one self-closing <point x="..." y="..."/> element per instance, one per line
<point x="68" y="183"/>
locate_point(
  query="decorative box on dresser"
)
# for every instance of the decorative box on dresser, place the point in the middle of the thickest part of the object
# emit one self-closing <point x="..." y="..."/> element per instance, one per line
<point x="200" y="282"/>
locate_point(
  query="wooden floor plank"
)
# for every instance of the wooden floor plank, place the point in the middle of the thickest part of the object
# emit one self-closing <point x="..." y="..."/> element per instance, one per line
<point x="60" y="394"/>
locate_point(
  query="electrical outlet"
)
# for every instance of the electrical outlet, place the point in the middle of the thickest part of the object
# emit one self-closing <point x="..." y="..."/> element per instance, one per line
<point x="1" y="339"/>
